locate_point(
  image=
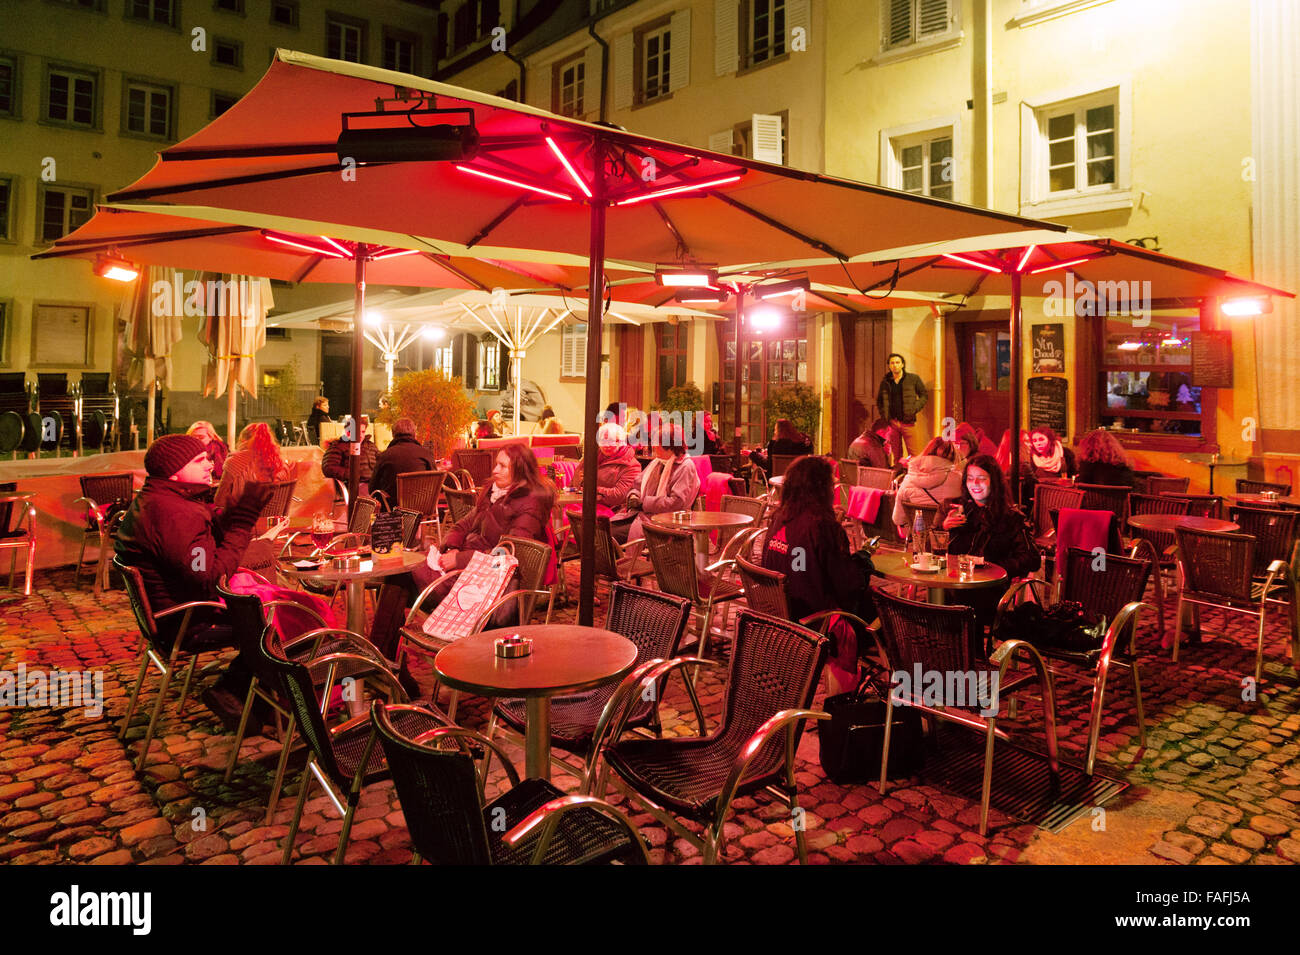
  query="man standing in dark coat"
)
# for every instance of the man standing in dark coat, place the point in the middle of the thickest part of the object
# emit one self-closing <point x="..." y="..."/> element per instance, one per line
<point x="404" y="454"/>
<point x="901" y="397"/>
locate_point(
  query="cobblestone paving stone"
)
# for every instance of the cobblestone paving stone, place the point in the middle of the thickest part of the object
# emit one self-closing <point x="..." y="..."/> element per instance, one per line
<point x="1217" y="783"/>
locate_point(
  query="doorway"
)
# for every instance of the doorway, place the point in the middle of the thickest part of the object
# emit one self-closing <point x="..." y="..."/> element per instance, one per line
<point x="985" y="350"/>
<point x="336" y="371"/>
<point x="862" y="342"/>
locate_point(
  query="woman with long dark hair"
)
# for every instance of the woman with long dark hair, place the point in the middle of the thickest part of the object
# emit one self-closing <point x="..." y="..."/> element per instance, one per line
<point x="786" y="439"/>
<point x="1102" y="460"/>
<point x="808" y="545"/>
<point x="985" y="522"/>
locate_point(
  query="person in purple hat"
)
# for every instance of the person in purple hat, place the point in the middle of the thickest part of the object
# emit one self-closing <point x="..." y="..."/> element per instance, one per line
<point x="181" y="544"/>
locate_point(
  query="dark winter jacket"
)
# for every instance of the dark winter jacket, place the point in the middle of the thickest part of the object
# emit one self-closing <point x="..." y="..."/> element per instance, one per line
<point x="337" y="464"/>
<point x="1099" y="472"/>
<point x="867" y="449"/>
<point x="821" y="576"/>
<point x="182" y="545"/>
<point x="314" y="420"/>
<point x="617" y="475"/>
<point x="914" y="396"/>
<point x="1002" y="542"/>
<point x="778" y="446"/>
<point x="521" y="513"/>
<point x="404" y="454"/>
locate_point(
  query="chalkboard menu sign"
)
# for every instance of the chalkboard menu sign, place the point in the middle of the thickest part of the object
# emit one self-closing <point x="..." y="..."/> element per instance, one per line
<point x="385" y="531"/>
<point x="1048" y="404"/>
<point x="1212" y="359"/>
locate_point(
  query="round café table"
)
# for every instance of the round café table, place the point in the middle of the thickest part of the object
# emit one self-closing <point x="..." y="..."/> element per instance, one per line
<point x="701" y="524"/>
<point x="1258" y="500"/>
<point x="374" y="568"/>
<point x="566" y="659"/>
<point x="1213" y="461"/>
<point x="1166" y="523"/>
<point x="894" y="566"/>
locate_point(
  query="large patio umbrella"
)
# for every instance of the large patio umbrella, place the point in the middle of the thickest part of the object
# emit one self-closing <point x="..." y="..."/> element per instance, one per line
<point x="152" y="330"/>
<point x="1114" y="274"/>
<point x="198" y="238"/>
<point x="525" y="179"/>
<point x="234" y="331"/>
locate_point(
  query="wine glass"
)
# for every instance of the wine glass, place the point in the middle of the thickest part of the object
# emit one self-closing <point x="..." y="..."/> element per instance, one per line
<point x="939" y="543"/>
<point x="322" y="530"/>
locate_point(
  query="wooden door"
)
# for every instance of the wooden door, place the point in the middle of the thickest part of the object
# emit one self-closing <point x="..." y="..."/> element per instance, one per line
<point x="862" y="342"/>
<point x="630" y="341"/>
<point x="985" y="349"/>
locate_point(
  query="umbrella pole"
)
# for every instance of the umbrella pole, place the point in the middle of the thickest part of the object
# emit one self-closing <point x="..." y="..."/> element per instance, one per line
<point x="595" y="292"/>
<point x="1015" y="386"/>
<point x="358" y="352"/>
<point x="740" y="317"/>
<point x="149" y="415"/>
<point x="232" y="394"/>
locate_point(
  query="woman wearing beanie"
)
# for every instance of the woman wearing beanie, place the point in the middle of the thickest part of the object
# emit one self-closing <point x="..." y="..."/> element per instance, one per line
<point x="182" y="545"/>
<point x="617" y="470"/>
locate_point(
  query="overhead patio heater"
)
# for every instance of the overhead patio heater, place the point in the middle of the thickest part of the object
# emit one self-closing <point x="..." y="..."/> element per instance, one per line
<point x="407" y="141"/>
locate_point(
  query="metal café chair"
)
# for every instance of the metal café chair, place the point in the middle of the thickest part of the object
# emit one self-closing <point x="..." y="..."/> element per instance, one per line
<point x="477" y="461"/>
<point x="672" y="554"/>
<point x="923" y="637"/>
<point x="1113" y="594"/>
<point x="770" y="685"/>
<point x="848" y="471"/>
<point x="441" y="795"/>
<point x="1108" y="497"/>
<point x="1218" y="571"/>
<point x="1162" y="483"/>
<point x="459" y="503"/>
<point x="18" y="538"/>
<point x="1200" y="505"/>
<point x="105" y="496"/>
<point x="879" y="478"/>
<point x="1245" y="486"/>
<point x="419" y="491"/>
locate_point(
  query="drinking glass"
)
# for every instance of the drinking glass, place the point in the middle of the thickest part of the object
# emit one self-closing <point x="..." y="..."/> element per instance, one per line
<point x="322" y="530"/>
<point x="939" y="543"/>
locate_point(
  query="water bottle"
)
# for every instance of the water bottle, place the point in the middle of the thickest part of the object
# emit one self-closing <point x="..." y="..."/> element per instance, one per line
<point x="918" y="536"/>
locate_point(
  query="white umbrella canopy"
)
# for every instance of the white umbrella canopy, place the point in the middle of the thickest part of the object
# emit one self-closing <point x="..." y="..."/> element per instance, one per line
<point x="153" y="327"/>
<point x="234" y="329"/>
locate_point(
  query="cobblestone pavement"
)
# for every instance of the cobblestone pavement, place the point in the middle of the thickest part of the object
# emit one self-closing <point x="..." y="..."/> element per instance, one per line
<point x="1218" y="782"/>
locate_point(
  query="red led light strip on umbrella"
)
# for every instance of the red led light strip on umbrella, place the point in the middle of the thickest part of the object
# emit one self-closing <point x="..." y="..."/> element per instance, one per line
<point x="514" y="182"/>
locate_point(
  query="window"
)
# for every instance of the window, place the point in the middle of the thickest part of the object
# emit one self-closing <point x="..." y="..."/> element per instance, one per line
<point x="96" y="5"/>
<point x="345" y="38"/>
<point x="770" y="363"/>
<point x="71" y="97"/>
<point x="670" y="357"/>
<point x="6" y="208"/>
<point x="62" y="209"/>
<point x="154" y="11"/>
<point x="922" y="163"/>
<point x="568" y="87"/>
<point x="765" y="31"/>
<point x="511" y="91"/>
<point x="908" y="22"/>
<point x="222" y="102"/>
<point x="400" y="51"/>
<point x="228" y="53"/>
<point x="443" y="359"/>
<point x="148" y="109"/>
<point x="61" y="335"/>
<point x="767" y="145"/>
<point x="229" y="6"/>
<point x="1076" y="153"/>
<point x="573" y="351"/>
<point x="278" y="334"/>
<point x="284" y="13"/>
<point x="8" y="85"/>
<point x="1147" y="375"/>
<point x="474" y="20"/>
<point x="5" y="312"/>
<point x="654" y="74"/>
<point x="489" y="364"/>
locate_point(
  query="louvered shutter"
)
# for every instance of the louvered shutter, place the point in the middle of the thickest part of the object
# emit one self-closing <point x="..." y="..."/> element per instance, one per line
<point x="797" y="16"/>
<point x="680" y="50"/>
<point x="623" y="63"/>
<point x="591" y="81"/>
<point x="721" y="142"/>
<point x="898" y="22"/>
<point x="766" y="137"/>
<point x="934" y="17"/>
<point x="726" y="36"/>
<point x="573" y="351"/>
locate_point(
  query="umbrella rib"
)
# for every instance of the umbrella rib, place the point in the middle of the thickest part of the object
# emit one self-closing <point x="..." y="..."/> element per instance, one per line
<point x="491" y="226"/>
<point x="84" y="245"/>
<point x="446" y="264"/>
<point x="671" y="226"/>
<point x="248" y="152"/>
<point x="226" y="181"/>
<point x="519" y="270"/>
<point x="314" y="261"/>
<point x="781" y="227"/>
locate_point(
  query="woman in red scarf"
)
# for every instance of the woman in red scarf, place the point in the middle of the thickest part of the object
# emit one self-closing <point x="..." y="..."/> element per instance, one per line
<point x="617" y="470"/>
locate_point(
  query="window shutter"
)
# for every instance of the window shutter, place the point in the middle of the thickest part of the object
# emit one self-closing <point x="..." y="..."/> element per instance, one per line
<point x="797" y="16"/>
<point x="579" y="351"/>
<point x="623" y="65"/>
<point x="767" y="138"/>
<point x="898" y="22"/>
<point x="591" y="80"/>
<point x="441" y="38"/>
<point x="726" y="38"/>
<point x="680" y="51"/>
<point x="721" y="142"/>
<point x="934" y="17"/>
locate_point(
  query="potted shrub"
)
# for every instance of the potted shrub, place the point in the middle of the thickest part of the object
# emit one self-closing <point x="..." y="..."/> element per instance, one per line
<point x="437" y="404"/>
<point x="797" y="402"/>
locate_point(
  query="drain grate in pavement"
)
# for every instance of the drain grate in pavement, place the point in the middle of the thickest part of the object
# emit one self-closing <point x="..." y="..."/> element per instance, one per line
<point x="1023" y="787"/>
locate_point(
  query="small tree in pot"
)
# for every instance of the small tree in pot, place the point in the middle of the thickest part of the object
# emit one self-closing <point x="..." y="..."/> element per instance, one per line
<point x="797" y="402"/>
<point x="437" y="404"/>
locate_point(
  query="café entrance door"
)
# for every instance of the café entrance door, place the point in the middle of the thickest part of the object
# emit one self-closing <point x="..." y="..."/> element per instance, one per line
<point x="985" y="349"/>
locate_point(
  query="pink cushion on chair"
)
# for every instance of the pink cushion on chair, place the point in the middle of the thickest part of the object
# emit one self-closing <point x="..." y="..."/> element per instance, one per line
<point x="716" y="484"/>
<point x="1077" y="527"/>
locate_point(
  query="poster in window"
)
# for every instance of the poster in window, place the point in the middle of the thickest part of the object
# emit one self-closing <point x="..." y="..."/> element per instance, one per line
<point x="1049" y="349"/>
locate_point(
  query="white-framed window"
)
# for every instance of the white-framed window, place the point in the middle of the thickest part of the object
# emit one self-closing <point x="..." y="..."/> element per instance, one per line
<point x="908" y="22"/>
<point x="284" y="13"/>
<point x="62" y="209"/>
<point x="655" y="75"/>
<point x="154" y="11"/>
<point x="762" y="138"/>
<point x="227" y="52"/>
<point x="400" y="51"/>
<point x="921" y="158"/>
<point x="766" y="33"/>
<point x="71" y="97"/>
<point x="345" y="38"/>
<point x="443" y="356"/>
<point x="148" y="109"/>
<point x="1075" y="152"/>
<point x="573" y="351"/>
<point x="61" y="335"/>
<point x="6" y="208"/>
<point x="569" y="86"/>
<point x="9" y="98"/>
<point x="489" y="363"/>
<point x="650" y="62"/>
